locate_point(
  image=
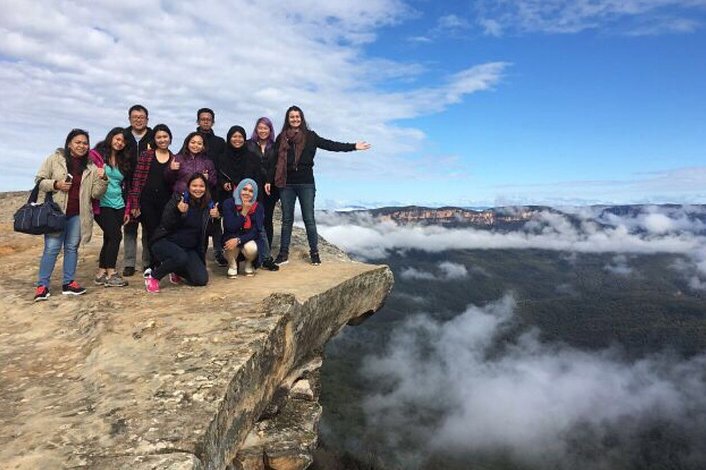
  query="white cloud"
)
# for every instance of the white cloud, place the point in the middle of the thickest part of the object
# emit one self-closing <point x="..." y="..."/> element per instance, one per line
<point x="653" y="229"/>
<point x="528" y="400"/>
<point x="632" y="17"/>
<point x="65" y="65"/>
<point x="446" y="271"/>
<point x="449" y="25"/>
<point x="417" y="299"/>
<point x="586" y="230"/>
<point x="453" y="270"/>
<point x="685" y="185"/>
<point x="452" y="22"/>
<point x="695" y="271"/>
<point x="566" y="289"/>
<point x="658" y="223"/>
<point x="491" y="27"/>
<point x="414" y="273"/>
<point x="619" y="266"/>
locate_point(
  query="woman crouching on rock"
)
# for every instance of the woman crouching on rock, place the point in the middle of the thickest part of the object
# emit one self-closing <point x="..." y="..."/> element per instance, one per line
<point x="243" y="219"/>
<point x="73" y="179"/>
<point x="180" y="240"/>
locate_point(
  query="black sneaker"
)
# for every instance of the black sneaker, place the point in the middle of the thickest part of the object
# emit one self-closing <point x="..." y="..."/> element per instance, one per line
<point x="282" y="258"/>
<point x="315" y="259"/>
<point x="269" y="264"/>
<point x="220" y="259"/>
<point x="41" y="293"/>
<point x="129" y="271"/>
<point x="72" y="288"/>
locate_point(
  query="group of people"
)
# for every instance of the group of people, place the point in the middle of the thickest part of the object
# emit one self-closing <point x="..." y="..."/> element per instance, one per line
<point x="225" y="190"/>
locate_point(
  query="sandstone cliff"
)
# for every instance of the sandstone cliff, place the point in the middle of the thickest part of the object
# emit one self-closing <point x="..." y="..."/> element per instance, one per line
<point x="193" y="378"/>
<point x="488" y="218"/>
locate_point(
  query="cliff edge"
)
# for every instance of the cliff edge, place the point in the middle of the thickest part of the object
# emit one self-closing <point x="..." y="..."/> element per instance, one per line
<point x="223" y="376"/>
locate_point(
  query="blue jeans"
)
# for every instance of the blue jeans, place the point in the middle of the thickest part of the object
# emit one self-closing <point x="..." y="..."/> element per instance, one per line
<point x="69" y="239"/>
<point x="288" y="196"/>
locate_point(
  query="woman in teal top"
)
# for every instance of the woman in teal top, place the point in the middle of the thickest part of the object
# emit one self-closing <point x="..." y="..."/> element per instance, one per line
<point x="113" y="156"/>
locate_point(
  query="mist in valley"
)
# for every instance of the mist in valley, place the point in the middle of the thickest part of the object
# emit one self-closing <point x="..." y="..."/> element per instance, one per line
<point x="575" y="342"/>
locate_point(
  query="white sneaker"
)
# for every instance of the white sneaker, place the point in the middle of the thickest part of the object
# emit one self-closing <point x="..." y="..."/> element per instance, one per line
<point x="249" y="270"/>
<point x="232" y="273"/>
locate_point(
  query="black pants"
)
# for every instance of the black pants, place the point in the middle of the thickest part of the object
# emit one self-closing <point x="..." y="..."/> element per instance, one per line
<point x="174" y="259"/>
<point x="216" y="232"/>
<point x="270" y="203"/>
<point x="111" y="222"/>
<point x="151" y="210"/>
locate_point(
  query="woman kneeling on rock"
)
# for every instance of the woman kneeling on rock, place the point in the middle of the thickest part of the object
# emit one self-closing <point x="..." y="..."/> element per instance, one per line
<point x="180" y="240"/>
<point x="243" y="220"/>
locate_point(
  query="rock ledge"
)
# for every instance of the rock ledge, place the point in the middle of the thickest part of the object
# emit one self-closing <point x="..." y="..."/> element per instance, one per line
<point x="181" y="380"/>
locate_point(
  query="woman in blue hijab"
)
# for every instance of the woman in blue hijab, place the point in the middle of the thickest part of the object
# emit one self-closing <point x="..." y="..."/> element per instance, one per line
<point x="243" y="219"/>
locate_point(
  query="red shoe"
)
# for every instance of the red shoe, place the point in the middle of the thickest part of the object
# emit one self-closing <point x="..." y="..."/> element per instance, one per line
<point x="72" y="288"/>
<point x="41" y="293"/>
<point x="152" y="285"/>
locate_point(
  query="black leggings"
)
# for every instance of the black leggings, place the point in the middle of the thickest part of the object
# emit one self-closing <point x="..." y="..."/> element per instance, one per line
<point x="270" y="203"/>
<point x="151" y="210"/>
<point x="110" y="221"/>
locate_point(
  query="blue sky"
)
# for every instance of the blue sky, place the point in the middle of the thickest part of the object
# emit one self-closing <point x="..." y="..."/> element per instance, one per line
<point x="465" y="103"/>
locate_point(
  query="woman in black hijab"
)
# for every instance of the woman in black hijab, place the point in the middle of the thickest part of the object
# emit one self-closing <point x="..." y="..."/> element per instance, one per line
<point x="237" y="163"/>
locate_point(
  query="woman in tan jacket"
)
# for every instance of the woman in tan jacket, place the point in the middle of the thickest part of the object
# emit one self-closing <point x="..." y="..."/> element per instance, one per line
<point x="73" y="180"/>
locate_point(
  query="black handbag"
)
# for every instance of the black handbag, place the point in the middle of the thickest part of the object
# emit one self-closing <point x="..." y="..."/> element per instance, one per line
<point x="39" y="218"/>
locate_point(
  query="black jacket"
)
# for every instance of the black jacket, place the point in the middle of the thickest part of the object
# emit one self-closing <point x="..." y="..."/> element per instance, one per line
<point x="214" y="146"/>
<point x="236" y="165"/>
<point x="134" y="149"/>
<point x="267" y="159"/>
<point x="304" y="172"/>
<point x="172" y="220"/>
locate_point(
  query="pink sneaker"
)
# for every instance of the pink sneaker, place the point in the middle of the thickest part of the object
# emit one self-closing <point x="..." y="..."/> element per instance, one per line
<point x="175" y="278"/>
<point x="152" y="285"/>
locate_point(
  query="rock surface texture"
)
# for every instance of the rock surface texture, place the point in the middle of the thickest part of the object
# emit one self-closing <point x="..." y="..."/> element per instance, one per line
<point x="222" y="376"/>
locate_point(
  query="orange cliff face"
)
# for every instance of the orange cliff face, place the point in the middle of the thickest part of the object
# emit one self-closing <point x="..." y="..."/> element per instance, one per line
<point x="453" y="215"/>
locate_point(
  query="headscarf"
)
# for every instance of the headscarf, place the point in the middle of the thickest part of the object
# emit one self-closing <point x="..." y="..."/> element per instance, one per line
<point x="232" y="160"/>
<point x="241" y="185"/>
<point x="232" y="151"/>
<point x="239" y="203"/>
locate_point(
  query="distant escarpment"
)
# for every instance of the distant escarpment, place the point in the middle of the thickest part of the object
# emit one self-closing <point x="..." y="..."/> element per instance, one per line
<point x="515" y="217"/>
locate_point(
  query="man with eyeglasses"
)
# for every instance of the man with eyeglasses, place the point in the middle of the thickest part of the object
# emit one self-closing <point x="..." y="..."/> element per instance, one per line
<point x="138" y="137"/>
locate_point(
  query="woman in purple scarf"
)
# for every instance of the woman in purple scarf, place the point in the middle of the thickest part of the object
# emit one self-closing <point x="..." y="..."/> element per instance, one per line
<point x="293" y="174"/>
